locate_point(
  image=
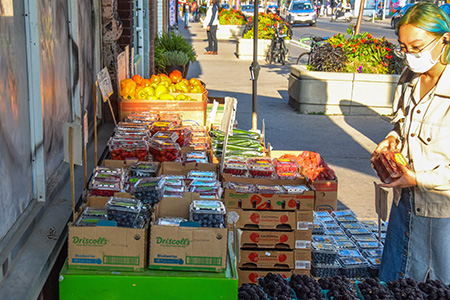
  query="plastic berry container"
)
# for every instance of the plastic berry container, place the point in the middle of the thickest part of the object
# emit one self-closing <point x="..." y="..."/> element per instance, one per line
<point x="268" y="189"/>
<point x="345" y="245"/>
<point x="202" y="175"/>
<point x="330" y="225"/>
<point x="374" y="266"/>
<point x="318" y="227"/>
<point x="236" y="169"/>
<point x="161" y="126"/>
<point x="368" y="245"/>
<point x="207" y="192"/>
<point x="123" y="211"/>
<point x="199" y="143"/>
<point x="358" y="231"/>
<point x="144" y="116"/>
<point x="149" y="190"/>
<point x="285" y="165"/>
<point x="295" y="189"/>
<point x="364" y="238"/>
<point x="260" y="167"/>
<point x="386" y="166"/>
<point x="173" y="191"/>
<point x="346" y="219"/>
<point x="241" y="187"/>
<point x="348" y="253"/>
<point x="171" y="117"/>
<point x="198" y="131"/>
<point x="325" y="270"/>
<point x="108" y="174"/>
<point x="104" y="189"/>
<point x="175" y="180"/>
<point x="196" y="156"/>
<point x="324" y="253"/>
<point x="321" y="214"/>
<point x="184" y="135"/>
<point x="164" y="151"/>
<point x="334" y="232"/>
<point x="372" y="253"/>
<point x="341" y="238"/>
<point x="208" y="213"/>
<point x="354" y="267"/>
<point x="325" y="239"/>
<point x="170" y="221"/>
<point x="144" y="169"/>
<point x="166" y="136"/>
<point x="121" y="149"/>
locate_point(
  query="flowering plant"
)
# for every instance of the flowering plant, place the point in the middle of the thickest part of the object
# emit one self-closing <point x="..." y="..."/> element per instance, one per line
<point x="366" y="54"/>
<point x="266" y="27"/>
<point x="231" y="17"/>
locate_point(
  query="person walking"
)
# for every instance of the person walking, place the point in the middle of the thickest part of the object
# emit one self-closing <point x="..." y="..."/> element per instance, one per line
<point x="210" y="23"/>
<point x="194" y="10"/>
<point x="418" y="241"/>
<point x="186" y="10"/>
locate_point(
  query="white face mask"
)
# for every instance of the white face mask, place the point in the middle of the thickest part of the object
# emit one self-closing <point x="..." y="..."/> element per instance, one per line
<point x="423" y="62"/>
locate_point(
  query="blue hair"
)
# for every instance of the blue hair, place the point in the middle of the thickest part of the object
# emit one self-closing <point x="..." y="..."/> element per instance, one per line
<point x="429" y="17"/>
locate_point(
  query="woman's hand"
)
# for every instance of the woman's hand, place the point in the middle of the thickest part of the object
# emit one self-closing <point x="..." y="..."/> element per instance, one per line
<point x="208" y="28"/>
<point x="390" y="143"/>
<point x="407" y="180"/>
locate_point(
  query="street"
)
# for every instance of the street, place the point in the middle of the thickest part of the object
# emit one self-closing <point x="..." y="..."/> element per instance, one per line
<point x="325" y="28"/>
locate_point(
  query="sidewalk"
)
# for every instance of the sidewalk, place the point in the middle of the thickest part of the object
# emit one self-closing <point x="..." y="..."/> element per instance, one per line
<point x="345" y="142"/>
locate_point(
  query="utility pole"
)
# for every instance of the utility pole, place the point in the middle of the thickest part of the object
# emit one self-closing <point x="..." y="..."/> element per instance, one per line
<point x="360" y="15"/>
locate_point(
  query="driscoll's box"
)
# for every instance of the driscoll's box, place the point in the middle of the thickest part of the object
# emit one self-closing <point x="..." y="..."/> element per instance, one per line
<point x="107" y="248"/>
<point x="185" y="248"/>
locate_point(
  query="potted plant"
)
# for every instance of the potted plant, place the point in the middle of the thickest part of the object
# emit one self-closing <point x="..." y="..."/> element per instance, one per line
<point x="232" y="24"/>
<point x="266" y="30"/>
<point x="350" y="76"/>
<point x="175" y="60"/>
<point x="169" y="42"/>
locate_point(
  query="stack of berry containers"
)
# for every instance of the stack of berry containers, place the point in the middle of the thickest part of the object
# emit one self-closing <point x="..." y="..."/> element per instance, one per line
<point x="237" y="166"/>
<point x="208" y="213"/>
<point x="199" y="143"/>
<point x="122" y="148"/>
<point x="164" y="150"/>
<point x="199" y="157"/>
<point x="91" y="216"/>
<point x="184" y="135"/>
<point x="161" y="126"/>
<point x="260" y="167"/>
<point x="173" y="117"/>
<point x="166" y="136"/>
<point x="124" y="211"/>
<point x="205" y="183"/>
<point x="149" y="190"/>
<point x="144" y="169"/>
<point x="174" y="186"/>
<point x="354" y="267"/>
<point x="106" y="181"/>
<point x="143" y="117"/>
<point x="131" y="130"/>
<point x="286" y="168"/>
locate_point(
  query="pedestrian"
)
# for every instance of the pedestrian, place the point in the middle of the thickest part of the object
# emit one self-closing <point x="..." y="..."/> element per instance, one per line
<point x="210" y="24"/>
<point x="186" y="10"/>
<point x="194" y="11"/>
<point x="418" y="240"/>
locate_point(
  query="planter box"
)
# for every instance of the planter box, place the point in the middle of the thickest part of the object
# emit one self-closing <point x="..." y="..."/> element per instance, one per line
<point x="227" y="32"/>
<point x="341" y="93"/>
<point x="244" y="48"/>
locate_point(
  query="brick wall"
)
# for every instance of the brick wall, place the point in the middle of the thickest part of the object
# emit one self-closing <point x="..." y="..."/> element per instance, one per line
<point x="125" y="10"/>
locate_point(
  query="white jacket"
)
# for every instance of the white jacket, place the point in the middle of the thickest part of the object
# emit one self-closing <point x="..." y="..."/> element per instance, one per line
<point x="208" y="16"/>
<point x="423" y="129"/>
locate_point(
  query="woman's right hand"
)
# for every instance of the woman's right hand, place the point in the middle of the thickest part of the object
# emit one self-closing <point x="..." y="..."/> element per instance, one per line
<point x="390" y="143"/>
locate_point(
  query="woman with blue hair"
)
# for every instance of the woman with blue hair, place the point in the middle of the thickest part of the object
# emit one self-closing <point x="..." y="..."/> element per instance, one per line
<point x="418" y="237"/>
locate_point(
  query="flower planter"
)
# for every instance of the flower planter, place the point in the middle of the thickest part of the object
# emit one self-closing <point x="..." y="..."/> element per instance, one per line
<point x="341" y="93"/>
<point x="244" y="48"/>
<point x="226" y="32"/>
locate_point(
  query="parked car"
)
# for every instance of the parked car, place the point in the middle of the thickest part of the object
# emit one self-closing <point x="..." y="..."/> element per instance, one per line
<point x="247" y="10"/>
<point x="273" y="9"/>
<point x="301" y="12"/>
<point x="398" y="14"/>
<point x="261" y="8"/>
<point x="225" y="5"/>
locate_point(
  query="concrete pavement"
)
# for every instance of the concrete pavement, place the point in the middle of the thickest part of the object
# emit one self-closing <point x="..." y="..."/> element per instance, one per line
<point x="345" y="142"/>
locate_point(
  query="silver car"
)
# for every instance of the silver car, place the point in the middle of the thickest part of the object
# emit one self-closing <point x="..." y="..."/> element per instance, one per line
<point x="301" y="12"/>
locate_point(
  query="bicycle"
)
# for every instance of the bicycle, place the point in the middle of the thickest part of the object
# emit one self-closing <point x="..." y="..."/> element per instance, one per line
<point x="309" y="43"/>
<point x="277" y="49"/>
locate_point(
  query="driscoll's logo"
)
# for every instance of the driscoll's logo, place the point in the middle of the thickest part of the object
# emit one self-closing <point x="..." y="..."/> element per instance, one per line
<point x="101" y="241"/>
<point x="172" y="242"/>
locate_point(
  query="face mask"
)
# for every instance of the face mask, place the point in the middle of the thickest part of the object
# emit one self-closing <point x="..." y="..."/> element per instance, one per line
<point x="423" y="63"/>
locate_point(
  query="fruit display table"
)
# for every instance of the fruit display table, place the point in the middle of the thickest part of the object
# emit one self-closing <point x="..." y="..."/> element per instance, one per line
<point x="149" y="284"/>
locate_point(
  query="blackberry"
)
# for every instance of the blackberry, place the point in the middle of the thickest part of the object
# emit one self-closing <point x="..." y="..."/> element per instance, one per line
<point x="251" y="291"/>
<point x="406" y="288"/>
<point x="338" y="287"/>
<point x="372" y="289"/>
<point x="306" y="287"/>
<point x="435" y="289"/>
<point x="276" y="287"/>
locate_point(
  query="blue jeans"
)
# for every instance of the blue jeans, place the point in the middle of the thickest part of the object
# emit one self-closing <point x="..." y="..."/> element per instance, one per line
<point x="416" y="247"/>
<point x="186" y="19"/>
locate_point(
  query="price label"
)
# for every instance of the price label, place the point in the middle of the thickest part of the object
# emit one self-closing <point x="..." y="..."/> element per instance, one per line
<point x="104" y="83"/>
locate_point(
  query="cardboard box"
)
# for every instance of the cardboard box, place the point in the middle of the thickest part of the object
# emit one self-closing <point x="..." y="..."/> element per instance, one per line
<point x="305" y="220"/>
<point x="107" y="248"/>
<point x="179" y="168"/>
<point x="185" y="248"/>
<point x="326" y="190"/>
<point x="263" y="239"/>
<point x="251" y="276"/>
<point x="271" y="259"/>
<point x="112" y="163"/>
<point x="306" y="272"/>
<point x="190" y="110"/>
<point x="261" y="219"/>
<point x="303" y="239"/>
<point x="302" y="259"/>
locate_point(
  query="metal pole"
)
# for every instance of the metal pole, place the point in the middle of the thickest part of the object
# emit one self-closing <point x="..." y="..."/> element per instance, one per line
<point x="254" y="68"/>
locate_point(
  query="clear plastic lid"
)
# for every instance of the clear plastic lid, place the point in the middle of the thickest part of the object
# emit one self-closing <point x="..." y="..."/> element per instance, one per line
<point x="340" y="213"/>
<point x="364" y="238"/>
<point x="204" y="182"/>
<point x="325" y="248"/>
<point x="331" y="225"/>
<point x="202" y="175"/>
<point x="97" y="184"/>
<point x="169" y="189"/>
<point x="143" y="116"/>
<point x="355" y="261"/>
<point x="241" y="187"/>
<point x="144" y="169"/>
<point x="295" y="189"/>
<point x="341" y="238"/>
<point x="207" y="191"/>
<point x="210" y="207"/>
<point x="318" y="226"/>
<point x="95" y="212"/>
<point x="268" y="189"/>
<point x="321" y="214"/>
<point x="184" y="134"/>
<point x="125" y="204"/>
<point x="105" y="172"/>
<point x="170" y="221"/>
<point x="175" y="181"/>
<point x="351" y="225"/>
<point x="236" y="160"/>
<point x="359" y="231"/>
<point x="287" y="175"/>
<point x="236" y="169"/>
<point x="171" y="117"/>
<point x="372" y="253"/>
<point x="368" y="245"/>
<point x="342" y="245"/>
<point x="261" y="167"/>
<point x="167" y="136"/>
<point x="161" y="126"/>
<point x="334" y="232"/>
<point x="131" y="126"/>
<point x="285" y="165"/>
<point x="149" y="184"/>
<point x="386" y="166"/>
<point x="164" y="151"/>
<point x="348" y="218"/>
<point x="89" y="221"/>
<point x="323" y="239"/>
<point x="349" y="253"/>
<point x="196" y="156"/>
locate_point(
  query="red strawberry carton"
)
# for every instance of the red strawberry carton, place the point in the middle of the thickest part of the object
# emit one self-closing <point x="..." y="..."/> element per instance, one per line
<point x="251" y="239"/>
<point x="251" y="276"/>
<point x="386" y="166"/>
<point x="260" y="219"/>
<point x="271" y="259"/>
